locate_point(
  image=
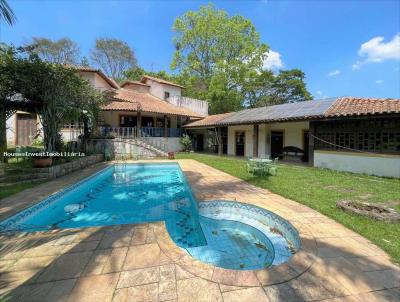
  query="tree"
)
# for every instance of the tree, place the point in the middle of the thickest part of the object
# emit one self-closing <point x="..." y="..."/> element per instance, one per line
<point x="210" y="44"/>
<point x="7" y="13"/>
<point x="113" y="56"/>
<point x="267" y="88"/>
<point x="62" y="51"/>
<point x="65" y="96"/>
<point x="59" y="93"/>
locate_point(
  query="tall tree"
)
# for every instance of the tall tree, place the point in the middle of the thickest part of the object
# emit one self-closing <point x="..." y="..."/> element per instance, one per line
<point x="211" y="45"/>
<point x="113" y="56"/>
<point x="267" y="88"/>
<point x="62" y="51"/>
<point x="7" y="13"/>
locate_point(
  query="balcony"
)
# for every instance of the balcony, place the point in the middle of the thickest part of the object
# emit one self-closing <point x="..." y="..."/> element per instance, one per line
<point x="132" y="132"/>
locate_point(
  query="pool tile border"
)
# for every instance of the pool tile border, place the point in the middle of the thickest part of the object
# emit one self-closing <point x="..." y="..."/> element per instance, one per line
<point x="20" y="216"/>
<point x="297" y="264"/>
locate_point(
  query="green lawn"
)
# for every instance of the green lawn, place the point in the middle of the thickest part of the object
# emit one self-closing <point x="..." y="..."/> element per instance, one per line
<point x="10" y="190"/>
<point x="320" y="189"/>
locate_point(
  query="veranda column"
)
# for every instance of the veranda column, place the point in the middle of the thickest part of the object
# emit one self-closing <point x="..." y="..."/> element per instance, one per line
<point x="219" y="140"/>
<point x="139" y="123"/>
<point x="165" y="126"/>
<point x="311" y="141"/>
<point x="255" y="141"/>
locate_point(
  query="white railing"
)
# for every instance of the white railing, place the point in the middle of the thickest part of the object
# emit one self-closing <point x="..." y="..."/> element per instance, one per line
<point x="132" y="132"/>
<point x="120" y="132"/>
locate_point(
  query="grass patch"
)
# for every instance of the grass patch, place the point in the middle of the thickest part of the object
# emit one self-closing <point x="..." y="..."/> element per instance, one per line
<point x="10" y="190"/>
<point x="320" y="189"/>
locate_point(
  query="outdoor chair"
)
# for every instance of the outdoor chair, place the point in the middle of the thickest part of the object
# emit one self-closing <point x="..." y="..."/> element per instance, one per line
<point x="273" y="167"/>
<point x="107" y="154"/>
<point x="250" y="165"/>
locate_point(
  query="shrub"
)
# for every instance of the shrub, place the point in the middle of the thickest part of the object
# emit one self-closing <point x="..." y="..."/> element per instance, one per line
<point x="186" y="143"/>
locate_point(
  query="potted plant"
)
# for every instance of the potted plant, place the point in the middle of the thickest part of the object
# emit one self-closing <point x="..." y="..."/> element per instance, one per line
<point x="42" y="161"/>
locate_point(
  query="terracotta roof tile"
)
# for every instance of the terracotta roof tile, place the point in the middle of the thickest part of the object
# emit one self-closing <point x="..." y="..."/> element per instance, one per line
<point x="348" y="106"/>
<point x="210" y="120"/>
<point x="134" y="83"/>
<point x="124" y="99"/>
<point x="161" y="81"/>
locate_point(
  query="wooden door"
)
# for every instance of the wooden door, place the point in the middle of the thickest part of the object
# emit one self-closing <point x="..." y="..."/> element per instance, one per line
<point x="276" y="143"/>
<point x="240" y="141"/>
<point x="26" y="129"/>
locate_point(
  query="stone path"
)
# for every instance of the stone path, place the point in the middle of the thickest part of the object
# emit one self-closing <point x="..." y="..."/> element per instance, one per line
<point x="141" y="263"/>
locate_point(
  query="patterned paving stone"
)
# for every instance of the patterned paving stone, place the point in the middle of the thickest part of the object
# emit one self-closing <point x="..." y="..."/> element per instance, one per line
<point x="116" y="238"/>
<point x="182" y="273"/>
<point x="197" y="290"/>
<point x="115" y="261"/>
<point x="282" y="292"/>
<point x="144" y="293"/>
<point x="125" y="263"/>
<point x="139" y="277"/>
<point x="45" y="292"/>
<point x="34" y="263"/>
<point x="140" y="256"/>
<point x="248" y="294"/>
<point x="167" y="290"/>
<point x="65" y="267"/>
<point x="94" y="288"/>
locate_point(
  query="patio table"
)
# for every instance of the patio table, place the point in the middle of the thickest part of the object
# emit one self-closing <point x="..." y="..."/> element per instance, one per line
<point x="261" y="164"/>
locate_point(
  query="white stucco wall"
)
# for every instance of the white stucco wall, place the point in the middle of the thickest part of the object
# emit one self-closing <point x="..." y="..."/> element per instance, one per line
<point x="293" y="136"/>
<point x="198" y="106"/>
<point x="11" y="129"/>
<point x="293" y="132"/>
<point x="137" y="87"/>
<point x="158" y="89"/>
<point x="248" y="129"/>
<point x="372" y="164"/>
<point x="95" y="80"/>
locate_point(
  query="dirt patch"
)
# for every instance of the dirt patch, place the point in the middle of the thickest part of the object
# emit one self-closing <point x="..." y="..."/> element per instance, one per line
<point x="374" y="211"/>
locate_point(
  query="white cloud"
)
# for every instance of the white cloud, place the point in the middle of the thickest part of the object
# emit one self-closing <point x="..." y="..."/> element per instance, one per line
<point x="273" y="61"/>
<point x="379" y="82"/>
<point x="334" y="73"/>
<point x="321" y="95"/>
<point x="376" y="51"/>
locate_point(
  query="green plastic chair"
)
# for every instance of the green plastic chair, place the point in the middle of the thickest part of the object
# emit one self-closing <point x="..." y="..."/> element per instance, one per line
<point x="250" y="165"/>
<point x="273" y="167"/>
<point x="107" y="154"/>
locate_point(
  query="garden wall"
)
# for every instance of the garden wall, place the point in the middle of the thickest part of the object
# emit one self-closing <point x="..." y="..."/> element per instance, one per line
<point x="67" y="168"/>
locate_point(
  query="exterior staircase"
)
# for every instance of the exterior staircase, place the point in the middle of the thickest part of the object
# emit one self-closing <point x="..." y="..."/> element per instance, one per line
<point x="138" y="148"/>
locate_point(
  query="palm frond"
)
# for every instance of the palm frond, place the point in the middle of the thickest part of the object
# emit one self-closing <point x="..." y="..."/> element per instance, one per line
<point x="7" y="13"/>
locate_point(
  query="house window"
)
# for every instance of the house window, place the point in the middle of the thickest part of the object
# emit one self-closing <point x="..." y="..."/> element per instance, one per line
<point x="380" y="135"/>
<point x="166" y="95"/>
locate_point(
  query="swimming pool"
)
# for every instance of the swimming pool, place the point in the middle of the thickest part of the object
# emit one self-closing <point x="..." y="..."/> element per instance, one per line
<point x="138" y="193"/>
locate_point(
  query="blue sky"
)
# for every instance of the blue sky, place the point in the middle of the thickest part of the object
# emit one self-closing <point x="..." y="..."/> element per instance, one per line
<point x="344" y="47"/>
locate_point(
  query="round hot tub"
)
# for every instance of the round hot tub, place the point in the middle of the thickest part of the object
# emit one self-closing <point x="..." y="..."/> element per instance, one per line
<point x="243" y="237"/>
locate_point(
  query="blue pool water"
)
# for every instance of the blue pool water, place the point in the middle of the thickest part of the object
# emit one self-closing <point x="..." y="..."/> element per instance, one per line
<point x="137" y="193"/>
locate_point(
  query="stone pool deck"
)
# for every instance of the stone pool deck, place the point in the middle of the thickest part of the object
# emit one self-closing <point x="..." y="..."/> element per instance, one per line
<point x="141" y="263"/>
